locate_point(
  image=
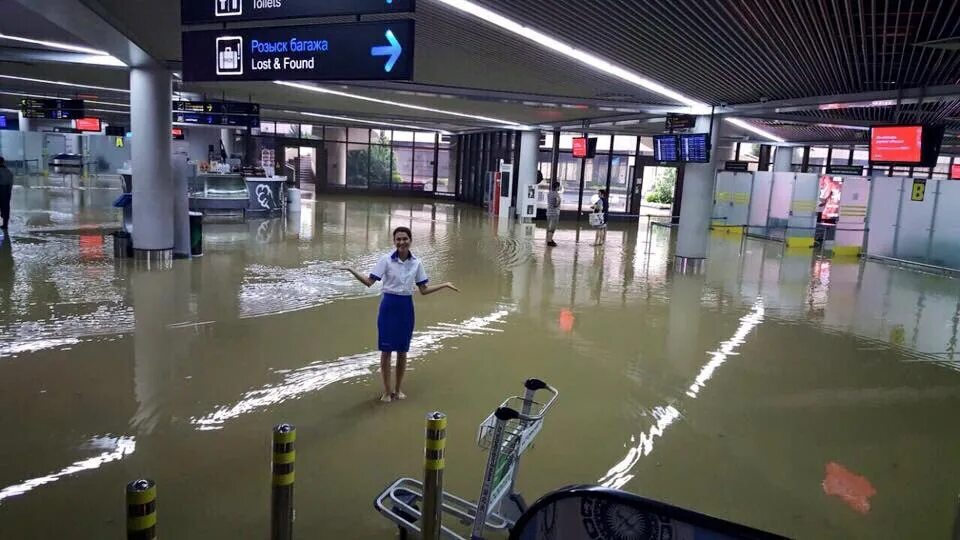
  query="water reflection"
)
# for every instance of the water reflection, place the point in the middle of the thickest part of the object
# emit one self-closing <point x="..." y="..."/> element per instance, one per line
<point x="115" y="449"/>
<point x="319" y="375"/>
<point x="665" y="415"/>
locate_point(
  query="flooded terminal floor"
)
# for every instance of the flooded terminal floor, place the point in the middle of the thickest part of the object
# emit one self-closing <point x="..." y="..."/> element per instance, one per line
<point x="811" y="397"/>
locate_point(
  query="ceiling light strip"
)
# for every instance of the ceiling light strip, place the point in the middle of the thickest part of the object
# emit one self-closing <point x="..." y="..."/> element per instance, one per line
<point x="321" y="90"/>
<point x="572" y="52"/>
<point x="54" y="45"/>
<point x="750" y="127"/>
<point x="373" y="122"/>
<point x="63" y="83"/>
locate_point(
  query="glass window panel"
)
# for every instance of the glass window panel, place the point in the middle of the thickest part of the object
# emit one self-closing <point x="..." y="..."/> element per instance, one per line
<point x="402" y="138"/>
<point x="545" y="165"/>
<point x="861" y="157"/>
<point x="423" y="169"/>
<point x="625" y="144"/>
<point x="286" y="129"/>
<point x="445" y="184"/>
<point x="943" y="165"/>
<point x="380" y="157"/>
<point x="840" y="156"/>
<point x="646" y="146"/>
<point x="603" y="143"/>
<point x="358" y="160"/>
<point x="268" y="127"/>
<point x="798" y="155"/>
<point x="356" y="135"/>
<point x="568" y="174"/>
<point x="749" y="152"/>
<point x="621" y="168"/>
<point x="566" y="140"/>
<point x="403" y="166"/>
<point x="381" y="136"/>
<point x="424" y="137"/>
<point x="547" y="139"/>
<point x="310" y="131"/>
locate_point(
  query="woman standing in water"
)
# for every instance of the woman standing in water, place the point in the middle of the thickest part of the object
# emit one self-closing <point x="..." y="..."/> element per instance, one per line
<point x="400" y="271"/>
<point x="599" y="218"/>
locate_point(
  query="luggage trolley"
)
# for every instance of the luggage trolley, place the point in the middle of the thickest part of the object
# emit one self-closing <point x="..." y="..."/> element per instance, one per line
<point x="507" y="433"/>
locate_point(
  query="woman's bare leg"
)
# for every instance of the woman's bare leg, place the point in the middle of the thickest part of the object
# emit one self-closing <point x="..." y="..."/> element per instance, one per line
<point x="401" y="369"/>
<point x="385" y="373"/>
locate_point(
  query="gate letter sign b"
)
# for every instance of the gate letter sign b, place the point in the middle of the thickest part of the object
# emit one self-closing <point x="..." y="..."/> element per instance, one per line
<point x="919" y="190"/>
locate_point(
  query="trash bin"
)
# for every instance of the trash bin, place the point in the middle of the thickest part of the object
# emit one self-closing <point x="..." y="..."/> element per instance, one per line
<point x="196" y="234"/>
<point x="122" y="245"/>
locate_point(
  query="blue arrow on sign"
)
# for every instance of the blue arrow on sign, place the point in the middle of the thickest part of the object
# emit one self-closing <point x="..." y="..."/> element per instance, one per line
<point x="394" y="50"/>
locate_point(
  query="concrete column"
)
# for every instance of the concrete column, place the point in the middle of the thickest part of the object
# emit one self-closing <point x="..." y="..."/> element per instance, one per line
<point x="26" y="124"/>
<point x="697" y="207"/>
<point x="150" y="94"/>
<point x="336" y="147"/>
<point x="782" y="159"/>
<point x="526" y="172"/>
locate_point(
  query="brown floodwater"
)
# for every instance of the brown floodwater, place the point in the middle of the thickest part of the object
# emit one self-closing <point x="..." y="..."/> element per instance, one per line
<point x="809" y="397"/>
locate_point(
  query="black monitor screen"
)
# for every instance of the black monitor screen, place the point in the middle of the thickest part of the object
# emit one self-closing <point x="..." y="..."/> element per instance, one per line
<point x="666" y="148"/>
<point x="695" y="148"/>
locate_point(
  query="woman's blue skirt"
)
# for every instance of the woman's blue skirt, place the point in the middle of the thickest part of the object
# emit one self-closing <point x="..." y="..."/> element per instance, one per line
<point x="395" y="322"/>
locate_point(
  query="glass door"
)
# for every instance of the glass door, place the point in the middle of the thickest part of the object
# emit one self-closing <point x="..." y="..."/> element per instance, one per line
<point x="658" y="186"/>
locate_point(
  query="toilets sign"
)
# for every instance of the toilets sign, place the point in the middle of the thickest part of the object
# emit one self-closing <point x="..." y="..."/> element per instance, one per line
<point x="381" y="50"/>
<point x="225" y="11"/>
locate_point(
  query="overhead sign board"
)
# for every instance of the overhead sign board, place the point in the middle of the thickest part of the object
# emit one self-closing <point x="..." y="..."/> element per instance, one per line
<point x="680" y="121"/>
<point x="736" y="166"/>
<point x="845" y="170"/>
<point x="381" y="50"/>
<point x="217" y="107"/>
<point x="52" y="109"/>
<point x="225" y="11"/>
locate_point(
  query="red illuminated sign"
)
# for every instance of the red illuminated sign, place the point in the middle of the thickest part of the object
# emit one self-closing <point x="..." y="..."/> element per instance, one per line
<point x="896" y="144"/>
<point x="177" y="133"/>
<point x="955" y="171"/>
<point x="580" y="147"/>
<point x="88" y="124"/>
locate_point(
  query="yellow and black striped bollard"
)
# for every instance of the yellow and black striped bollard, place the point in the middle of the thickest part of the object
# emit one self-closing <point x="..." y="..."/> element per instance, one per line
<point x="433" y="465"/>
<point x="141" y="510"/>
<point x="284" y="459"/>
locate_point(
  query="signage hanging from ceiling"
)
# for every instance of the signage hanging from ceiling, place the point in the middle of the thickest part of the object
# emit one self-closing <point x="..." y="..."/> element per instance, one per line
<point x="225" y="11"/>
<point x="736" y="166"/>
<point x="666" y="148"/>
<point x="680" y="122"/>
<point x="52" y="109"/>
<point x="695" y="148"/>
<point x="92" y="125"/>
<point x="380" y="50"/>
<point x="845" y="170"/>
<point x="584" y="147"/>
<point x="217" y="113"/>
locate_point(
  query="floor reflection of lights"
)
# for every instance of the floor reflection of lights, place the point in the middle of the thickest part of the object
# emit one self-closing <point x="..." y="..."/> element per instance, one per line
<point x="321" y="374"/>
<point x="619" y="475"/>
<point x="116" y="448"/>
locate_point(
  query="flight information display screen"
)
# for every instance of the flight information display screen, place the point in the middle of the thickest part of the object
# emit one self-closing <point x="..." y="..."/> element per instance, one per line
<point x="666" y="148"/>
<point x="695" y="148"/>
<point x="896" y="144"/>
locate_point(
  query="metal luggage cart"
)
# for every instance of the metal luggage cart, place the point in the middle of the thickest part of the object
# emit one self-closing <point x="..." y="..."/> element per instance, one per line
<point x="507" y="433"/>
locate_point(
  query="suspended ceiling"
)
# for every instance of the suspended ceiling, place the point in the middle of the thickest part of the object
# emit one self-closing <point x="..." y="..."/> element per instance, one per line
<point x="733" y="53"/>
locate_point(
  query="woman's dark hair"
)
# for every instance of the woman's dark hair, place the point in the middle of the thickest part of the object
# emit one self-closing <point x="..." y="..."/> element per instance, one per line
<point x="603" y="192"/>
<point x="556" y="185"/>
<point x="399" y="230"/>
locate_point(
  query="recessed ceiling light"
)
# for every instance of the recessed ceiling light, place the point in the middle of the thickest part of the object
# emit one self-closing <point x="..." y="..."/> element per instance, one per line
<point x="570" y="51"/>
<point x="754" y="129"/>
<point x="62" y="83"/>
<point x="322" y="90"/>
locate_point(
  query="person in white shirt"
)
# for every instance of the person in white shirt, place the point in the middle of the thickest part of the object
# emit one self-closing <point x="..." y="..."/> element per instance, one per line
<point x="399" y="271"/>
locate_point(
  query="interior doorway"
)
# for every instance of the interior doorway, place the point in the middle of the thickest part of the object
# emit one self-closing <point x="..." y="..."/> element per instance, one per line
<point x="303" y="166"/>
<point x="656" y="191"/>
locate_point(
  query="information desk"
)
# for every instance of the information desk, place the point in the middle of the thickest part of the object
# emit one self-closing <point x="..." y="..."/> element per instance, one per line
<point x="211" y="191"/>
<point x="265" y="193"/>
